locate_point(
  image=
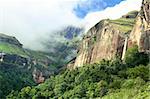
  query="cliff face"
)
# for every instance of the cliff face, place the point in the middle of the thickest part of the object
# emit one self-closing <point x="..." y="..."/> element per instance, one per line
<point x="104" y="41"/>
<point x="101" y="42"/>
<point x="140" y="34"/>
<point x="109" y="38"/>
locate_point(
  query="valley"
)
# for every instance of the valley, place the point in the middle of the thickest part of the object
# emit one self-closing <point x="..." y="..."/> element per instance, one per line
<point x="110" y="61"/>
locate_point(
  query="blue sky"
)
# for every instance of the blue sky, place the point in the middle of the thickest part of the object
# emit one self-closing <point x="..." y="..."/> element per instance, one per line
<point x="87" y="6"/>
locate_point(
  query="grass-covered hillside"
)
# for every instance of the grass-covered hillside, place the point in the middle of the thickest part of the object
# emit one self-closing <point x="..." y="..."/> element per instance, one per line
<point x="18" y="64"/>
<point x="126" y="22"/>
<point x="105" y="80"/>
<point x="12" y="49"/>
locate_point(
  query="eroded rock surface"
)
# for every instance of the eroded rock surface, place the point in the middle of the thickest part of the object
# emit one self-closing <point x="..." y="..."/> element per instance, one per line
<point x="140" y="34"/>
<point x="109" y="38"/>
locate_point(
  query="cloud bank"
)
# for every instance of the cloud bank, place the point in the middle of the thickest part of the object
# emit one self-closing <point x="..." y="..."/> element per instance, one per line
<point x="33" y="21"/>
<point x="112" y="12"/>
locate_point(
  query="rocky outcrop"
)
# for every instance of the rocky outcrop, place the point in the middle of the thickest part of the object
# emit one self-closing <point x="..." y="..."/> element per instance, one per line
<point x="38" y="76"/>
<point x="109" y="38"/>
<point x="140" y="34"/>
<point x="103" y="41"/>
<point x="10" y="40"/>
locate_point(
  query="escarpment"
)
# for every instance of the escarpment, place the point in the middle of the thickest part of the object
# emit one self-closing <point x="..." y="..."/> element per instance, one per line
<point x="103" y="41"/>
<point x="111" y="38"/>
<point x="140" y="34"/>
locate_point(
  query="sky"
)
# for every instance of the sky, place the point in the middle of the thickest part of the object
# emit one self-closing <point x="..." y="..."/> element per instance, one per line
<point x="87" y="6"/>
<point x="33" y="21"/>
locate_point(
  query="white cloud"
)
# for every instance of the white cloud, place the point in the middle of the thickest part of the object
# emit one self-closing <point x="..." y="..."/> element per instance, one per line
<point x="33" y="20"/>
<point x="112" y="12"/>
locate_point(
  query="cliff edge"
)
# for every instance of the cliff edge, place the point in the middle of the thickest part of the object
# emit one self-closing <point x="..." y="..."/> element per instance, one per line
<point x="111" y="38"/>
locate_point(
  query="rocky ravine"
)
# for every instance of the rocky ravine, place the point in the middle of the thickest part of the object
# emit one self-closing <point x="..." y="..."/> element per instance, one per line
<point x="109" y="38"/>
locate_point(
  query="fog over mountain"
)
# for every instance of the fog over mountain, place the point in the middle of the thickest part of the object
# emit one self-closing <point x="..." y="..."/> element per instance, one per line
<point x="34" y="21"/>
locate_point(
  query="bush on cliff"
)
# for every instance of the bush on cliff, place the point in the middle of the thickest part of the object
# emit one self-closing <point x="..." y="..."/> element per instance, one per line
<point x="133" y="57"/>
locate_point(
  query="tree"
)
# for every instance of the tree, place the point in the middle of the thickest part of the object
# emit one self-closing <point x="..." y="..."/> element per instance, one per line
<point x="140" y="71"/>
<point x="133" y="57"/>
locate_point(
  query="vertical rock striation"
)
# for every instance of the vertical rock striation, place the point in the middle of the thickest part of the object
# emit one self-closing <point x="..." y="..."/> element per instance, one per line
<point x="140" y="34"/>
<point x="109" y="38"/>
<point x="103" y="41"/>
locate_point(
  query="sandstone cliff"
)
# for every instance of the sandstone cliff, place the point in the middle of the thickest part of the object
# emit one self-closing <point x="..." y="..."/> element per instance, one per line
<point x="109" y="38"/>
<point x="103" y="41"/>
<point x="140" y="34"/>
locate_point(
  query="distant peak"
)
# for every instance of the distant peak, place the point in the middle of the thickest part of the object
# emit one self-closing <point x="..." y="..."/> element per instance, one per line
<point x="9" y="39"/>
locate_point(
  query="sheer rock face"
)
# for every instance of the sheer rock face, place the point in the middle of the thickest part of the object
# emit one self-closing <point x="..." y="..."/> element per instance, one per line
<point x="103" y="41"/>
<point x="140" y="34"/>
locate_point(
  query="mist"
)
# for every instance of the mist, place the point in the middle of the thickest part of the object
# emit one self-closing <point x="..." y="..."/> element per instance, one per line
<point x="35" y="21"/>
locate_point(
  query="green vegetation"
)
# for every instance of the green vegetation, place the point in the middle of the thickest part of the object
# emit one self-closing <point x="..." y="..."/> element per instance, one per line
<point x="133" y="57"/>
<point x="106" y="80"/>
<point x="12" y="49"/>
<point x="132" y="14"/>
<point x="13" y="77"/>
<point x="36" y="54"/>
<point x="124" y="24"/>
<point x="64" y="52"/>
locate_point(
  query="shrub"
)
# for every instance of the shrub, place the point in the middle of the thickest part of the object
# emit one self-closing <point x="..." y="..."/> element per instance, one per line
<point x="133" y="57"/>
<point x="139" y="71"/>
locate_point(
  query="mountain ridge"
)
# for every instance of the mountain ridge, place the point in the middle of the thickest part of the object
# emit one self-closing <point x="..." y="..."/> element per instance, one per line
<point x="112" y="61"/>
<point x="104" y="41"/>
<point x="111" y="38"/>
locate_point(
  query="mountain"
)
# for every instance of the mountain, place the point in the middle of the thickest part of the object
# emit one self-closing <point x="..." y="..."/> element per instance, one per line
<point x="111" y="38"/>
<point x="11" y="45"/>
<point x="20" y="67"/>
<point x="112" y="63"/>
<point x="64" y="49"/>
<point x="140" y="34"/>
<point x="70" y="32"/>
<point x="28" y="67"/>
<point x="105" y="40"/>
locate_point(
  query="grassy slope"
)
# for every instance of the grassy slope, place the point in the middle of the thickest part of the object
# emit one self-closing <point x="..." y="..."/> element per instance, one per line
<point x="123" y="24"/>
<point x="38" y="55"/>
<point x="12" y="49"/>
<point x="41" y="56"/>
